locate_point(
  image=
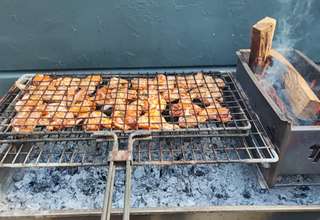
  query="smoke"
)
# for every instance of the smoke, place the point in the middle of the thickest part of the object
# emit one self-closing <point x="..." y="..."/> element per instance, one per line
<point x="292" y="17"/>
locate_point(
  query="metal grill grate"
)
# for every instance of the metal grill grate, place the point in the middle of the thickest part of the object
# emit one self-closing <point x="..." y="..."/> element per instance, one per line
<point x="62" y="151"/>
<point x="254" y="148"/>
<point x="224" y="116"/>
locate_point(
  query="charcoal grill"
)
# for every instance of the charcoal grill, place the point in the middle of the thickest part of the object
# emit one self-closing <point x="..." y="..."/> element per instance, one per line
<point x="294" y="142"/>
<point x="113" y="148"/>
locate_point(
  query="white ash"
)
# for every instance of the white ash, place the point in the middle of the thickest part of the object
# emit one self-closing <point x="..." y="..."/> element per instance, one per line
<point x="152" y="186"/>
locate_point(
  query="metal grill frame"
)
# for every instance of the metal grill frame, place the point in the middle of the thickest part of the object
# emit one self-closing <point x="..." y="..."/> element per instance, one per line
<point x="255" y="148"/>
<point x="240" y="126"/>
<point x="58" y="151"/>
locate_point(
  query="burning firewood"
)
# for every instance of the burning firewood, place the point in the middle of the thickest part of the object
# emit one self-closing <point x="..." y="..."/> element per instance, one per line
<point x="304" y="102"/>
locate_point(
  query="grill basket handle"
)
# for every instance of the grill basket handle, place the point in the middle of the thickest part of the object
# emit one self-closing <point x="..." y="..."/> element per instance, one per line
<point x="21" y="83"/>
<point x="106" y="134"/>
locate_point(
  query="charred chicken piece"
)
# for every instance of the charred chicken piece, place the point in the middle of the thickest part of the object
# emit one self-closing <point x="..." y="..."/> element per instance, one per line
<point x="195" y="81"/>
<point x="61" y="120"/>
<point x="41" y="79"/>
<point x="27" y="103"/>
<point x="25" y="121"/>
<point x="96" y="120"/>
<point x="182" y="108"/>
<point x="50" y="111"/>
<point x="218" y="113"/>
<point x="116" y="83"/>
<point x="56" y="116"/>
<point x="211" y="81"/>
<point x="90" y="83"/>
<point x="103" y="96"/>
<point x="86" y="105"/>
<point x="190" y="81"/>
<point x="175" y="94"/>
<point x="132" y="114"/>
<point x="107" y="96"/>
<point x="190" y="120"/>
<point x="163" y="83"/>
<point x="156" y="102"/>
<point x="118" y="115"/>
<point x="142" y="83"/>
<point x="206" y="96"/>
<point x="154" y="120"/>
<point x="118" y="120"/>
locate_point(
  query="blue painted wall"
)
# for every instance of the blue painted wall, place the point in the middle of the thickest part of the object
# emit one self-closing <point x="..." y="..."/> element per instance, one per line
<point x="45" y="34"/>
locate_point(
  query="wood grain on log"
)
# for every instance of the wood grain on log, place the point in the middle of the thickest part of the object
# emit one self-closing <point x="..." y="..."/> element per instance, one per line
<point x="261" y="43"/>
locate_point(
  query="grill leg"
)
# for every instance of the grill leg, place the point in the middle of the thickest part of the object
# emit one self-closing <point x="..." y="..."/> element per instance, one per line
<point x="107" y="206"/>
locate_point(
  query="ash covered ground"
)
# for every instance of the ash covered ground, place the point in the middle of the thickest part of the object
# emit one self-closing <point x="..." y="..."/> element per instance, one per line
<point x="152" y="186"/>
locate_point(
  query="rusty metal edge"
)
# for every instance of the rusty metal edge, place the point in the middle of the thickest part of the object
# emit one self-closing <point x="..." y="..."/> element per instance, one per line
<point x="164" y="210"/>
